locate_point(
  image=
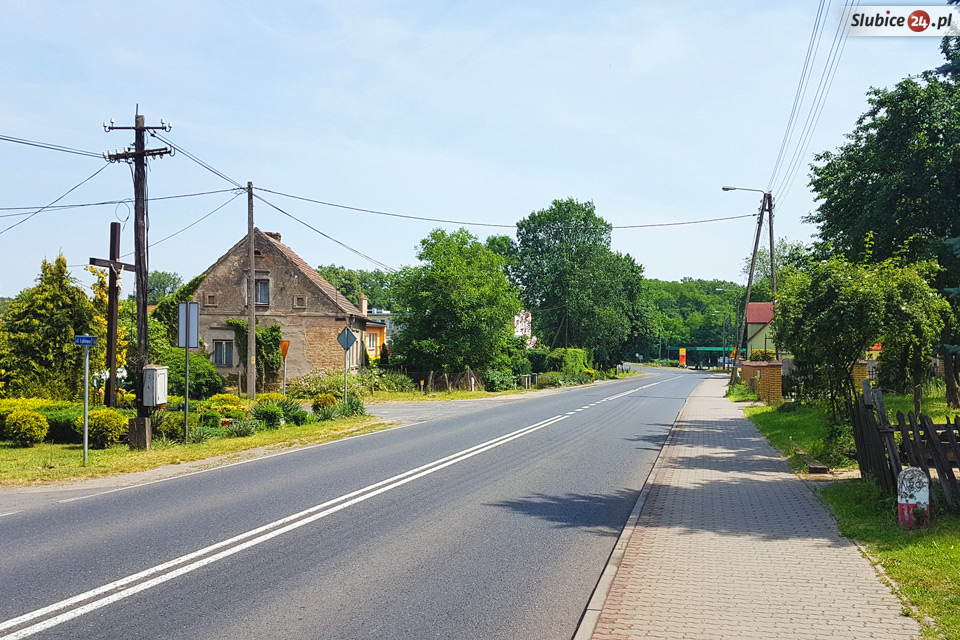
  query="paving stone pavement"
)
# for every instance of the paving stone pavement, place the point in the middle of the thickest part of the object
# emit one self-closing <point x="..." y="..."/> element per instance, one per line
<point x="731" y="544"/>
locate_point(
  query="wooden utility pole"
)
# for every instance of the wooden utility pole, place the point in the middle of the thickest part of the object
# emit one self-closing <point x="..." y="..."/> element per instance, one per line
<point x="768" y="205"/>
<point x="746" y="302"/>
<point x="138" y="156"/>
<point x="251" y="301"/>
<point x="114" y="266"/>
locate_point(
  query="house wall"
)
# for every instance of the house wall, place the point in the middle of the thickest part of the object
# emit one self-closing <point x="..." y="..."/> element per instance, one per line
<point x="307" y="317"/>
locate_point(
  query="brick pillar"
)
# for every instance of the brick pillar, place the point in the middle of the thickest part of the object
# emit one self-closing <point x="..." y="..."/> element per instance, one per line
<point x="771" y="388"/>
<point x="859" y="374"/>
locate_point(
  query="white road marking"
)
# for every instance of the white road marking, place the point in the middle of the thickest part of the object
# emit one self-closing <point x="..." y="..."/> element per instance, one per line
<point x="8" y="513"/>
<point x="135" y="583"/>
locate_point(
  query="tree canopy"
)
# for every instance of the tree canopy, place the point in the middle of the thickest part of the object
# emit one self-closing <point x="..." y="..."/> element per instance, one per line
<point x="456" y="309"/>
<point x="375" y="284"/>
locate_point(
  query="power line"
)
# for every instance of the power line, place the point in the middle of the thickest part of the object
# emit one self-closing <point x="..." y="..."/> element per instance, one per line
<point x="677" y="224"/>
<point x="812" y="48"/>
<point x="329" y="237"/>
<point x="77" y="186"/>
<point x="51" y="147"/>
<point x="197" y="160"/>
<point x="195" y="222"/>
<point x="62" y="207"/>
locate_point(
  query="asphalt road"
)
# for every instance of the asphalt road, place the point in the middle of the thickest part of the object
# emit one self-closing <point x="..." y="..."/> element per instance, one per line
<point x="491" y="524"/>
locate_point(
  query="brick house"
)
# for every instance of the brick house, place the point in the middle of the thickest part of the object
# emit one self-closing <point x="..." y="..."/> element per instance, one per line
<point x="289" y="292"/>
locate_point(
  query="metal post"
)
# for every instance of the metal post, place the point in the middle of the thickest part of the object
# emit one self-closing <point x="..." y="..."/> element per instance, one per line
<point x="284" y="387"/>
<point x="186" y="382"/>
<point x="86" y="401"/>
<point x="251" y="294"/>
<point x="345" y="352"/>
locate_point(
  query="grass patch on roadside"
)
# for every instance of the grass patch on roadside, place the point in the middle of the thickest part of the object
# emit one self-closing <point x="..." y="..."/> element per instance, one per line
<point x="933" y="406"/>
<point x="924" y="563"/>
<point x="435" y="396"/>
<point x="741" y="393"/>
<point x="806" y="427"/>
<point x="54" y="462"/>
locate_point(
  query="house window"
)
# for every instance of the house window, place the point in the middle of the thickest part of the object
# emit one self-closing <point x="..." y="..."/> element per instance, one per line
<point x="300" y="302"/>
<point x="211" y="300"/>
<point x="223" y="353"/>
<point x="371" y="342"/>
<point x="262" y="292"/>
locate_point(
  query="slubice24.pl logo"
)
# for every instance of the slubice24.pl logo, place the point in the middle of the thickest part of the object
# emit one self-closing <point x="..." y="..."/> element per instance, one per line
<point x="904" y="20"/>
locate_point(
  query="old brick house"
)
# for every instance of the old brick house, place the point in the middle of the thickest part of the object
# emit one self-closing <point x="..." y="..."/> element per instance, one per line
<point x="289" y="292"/>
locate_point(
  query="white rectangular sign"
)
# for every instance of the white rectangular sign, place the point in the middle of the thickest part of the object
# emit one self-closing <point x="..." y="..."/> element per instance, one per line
<point x="189" y="321"/>
<point x="903" y="20"/>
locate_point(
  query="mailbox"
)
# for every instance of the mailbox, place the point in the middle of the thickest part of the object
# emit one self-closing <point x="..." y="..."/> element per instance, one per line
<point x="154" y="385"/>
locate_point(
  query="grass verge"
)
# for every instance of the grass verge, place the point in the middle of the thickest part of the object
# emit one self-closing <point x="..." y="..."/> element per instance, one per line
<point x="55" y="462"/>
<point x="806" y="428"/>
<point x="925" y="564"/>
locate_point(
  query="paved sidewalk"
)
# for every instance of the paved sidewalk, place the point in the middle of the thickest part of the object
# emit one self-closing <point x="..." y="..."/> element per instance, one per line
<point x="731" y="544"/>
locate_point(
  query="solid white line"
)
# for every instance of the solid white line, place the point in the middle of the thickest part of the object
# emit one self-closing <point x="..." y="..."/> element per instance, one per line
<point x="195" y="560"/>
<point x="263" y="534"/>
<point x="8" y="513"/>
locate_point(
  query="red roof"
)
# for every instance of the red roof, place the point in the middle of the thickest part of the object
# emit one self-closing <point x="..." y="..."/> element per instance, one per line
<point x="759" y="312"/>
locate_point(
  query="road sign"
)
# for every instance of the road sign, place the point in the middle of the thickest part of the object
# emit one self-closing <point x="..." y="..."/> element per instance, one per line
<point x="188" y="329"/>
<point x="346" y="338"/>
<point x="85" y="341"/>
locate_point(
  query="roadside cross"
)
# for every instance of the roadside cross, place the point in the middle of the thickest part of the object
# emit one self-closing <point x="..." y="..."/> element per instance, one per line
<point x="114" y="266"/>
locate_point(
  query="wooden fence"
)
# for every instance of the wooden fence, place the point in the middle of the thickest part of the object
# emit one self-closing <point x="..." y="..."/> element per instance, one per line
<point x="922" y="444"/>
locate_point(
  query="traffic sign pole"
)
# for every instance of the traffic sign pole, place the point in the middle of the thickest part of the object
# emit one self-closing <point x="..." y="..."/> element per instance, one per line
<point x="86" y="342"/>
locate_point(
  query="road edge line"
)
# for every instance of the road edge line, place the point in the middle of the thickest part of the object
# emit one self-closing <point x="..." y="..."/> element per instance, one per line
<point x="591" y="614"/>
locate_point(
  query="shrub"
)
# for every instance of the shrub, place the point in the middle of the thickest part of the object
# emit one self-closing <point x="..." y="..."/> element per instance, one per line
<point x="174" y="403"/>
<point x="126" y="399"/>
<point x="234" y="413"/>
<point x="352" y="406"/>
<point x="270" y="414"/>
<point x="205" y="381"/>
<point x="210" y="420"/>
<point x="322" y="400"/>
<point x="242" y="428"/>
<point x="61" y="423"/>
<point x="762" y="355"/>
<point x="220" y="399"/>
<point x="570" y="361"/>
<point x="497" y="380"/>
<point x="591" y="373"/>
<point x="105" y="427"/>
<point x="289" y="407"/>
<point x="326" y="413"/>
<point x="298" y="417"/>
<point x="26" y="427"/>
<point x="169" y="424"/>
<point x="202" y="434"/>
<point x="394" y="381"/>
<point x="538" y="359"/>
<point x="270" y="397"/>
<point x="549" y="379"/>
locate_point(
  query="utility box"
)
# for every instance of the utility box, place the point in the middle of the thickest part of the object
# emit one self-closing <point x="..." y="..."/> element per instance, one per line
<point x="154" y="385"/>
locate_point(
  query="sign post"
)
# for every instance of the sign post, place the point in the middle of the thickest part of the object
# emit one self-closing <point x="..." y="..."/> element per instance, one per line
<point x="188" y="337"/>
<point x="284" y="347"/>
<point x="346" y="340"/>
<point x="86" y="342"/>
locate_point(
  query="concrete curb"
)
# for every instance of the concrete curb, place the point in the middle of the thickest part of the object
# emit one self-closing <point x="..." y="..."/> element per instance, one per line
<point x="591" y="615"/>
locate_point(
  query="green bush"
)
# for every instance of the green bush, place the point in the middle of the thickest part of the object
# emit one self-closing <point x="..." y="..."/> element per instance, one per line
<point x="221" y="399"/>
<point x="61" y="423"/>
<point x="242" y="428"/>
<point x="549" y="379"/>
<point x="205" y="381"/>
<point x="210" y="420"/>
<point x="569" y="361"/>
<point x="394" y="381"/>
<point x="538" y="359"/>
<point x="326" y="413"/>
<point x="497" y="380"/>
<point x="352" y="406"/>
<point x="169" y="424"/>
<point x="270" y="396"/>
<point x="105" y="427"/>
<point x="26" y="427"/>
<point x="269" y="414"/>
<point x="322" y="400"/>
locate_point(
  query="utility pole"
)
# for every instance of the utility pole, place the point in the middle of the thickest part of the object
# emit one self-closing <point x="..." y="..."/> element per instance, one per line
<point x="138" y="156"/>
<point x="768" y="204"/>
<point x="251" y="299"/>
<point x="113" y="305"/>
<point x="746" y="301"/>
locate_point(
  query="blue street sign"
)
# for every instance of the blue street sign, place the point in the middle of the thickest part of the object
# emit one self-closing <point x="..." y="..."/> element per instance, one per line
<point x="85" y="341"/>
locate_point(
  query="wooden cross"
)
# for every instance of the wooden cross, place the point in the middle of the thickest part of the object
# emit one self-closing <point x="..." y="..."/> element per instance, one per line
<point x="113" y="307"/>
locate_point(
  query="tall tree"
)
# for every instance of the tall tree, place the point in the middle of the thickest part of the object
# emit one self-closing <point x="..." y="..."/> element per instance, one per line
<point x="160" y="284"/>
<point x="579" y="292"/>
<point x="40" y="357"/>
<point x="375" y="285"/>
<point x="456" y="309"/>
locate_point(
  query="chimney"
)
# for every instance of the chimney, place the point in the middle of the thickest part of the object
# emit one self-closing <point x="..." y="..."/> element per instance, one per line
<point x="273" y="234"/>
<point x="363" y="305"/>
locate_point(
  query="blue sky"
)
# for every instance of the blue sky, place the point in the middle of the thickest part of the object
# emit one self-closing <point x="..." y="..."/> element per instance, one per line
<point x="473" y="111"/>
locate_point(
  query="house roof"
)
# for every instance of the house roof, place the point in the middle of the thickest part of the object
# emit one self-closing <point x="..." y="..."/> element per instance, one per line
<point x="759" y="312"/>
<point x="309" y="272"/>
<point x="328" y="289"/>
